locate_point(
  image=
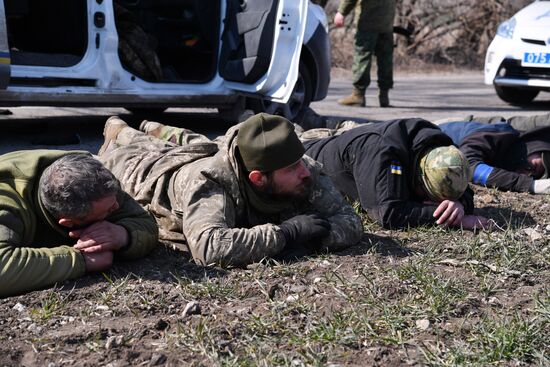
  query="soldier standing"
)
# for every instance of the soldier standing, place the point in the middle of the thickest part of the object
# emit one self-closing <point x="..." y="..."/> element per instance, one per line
<point x="374" y="35"/>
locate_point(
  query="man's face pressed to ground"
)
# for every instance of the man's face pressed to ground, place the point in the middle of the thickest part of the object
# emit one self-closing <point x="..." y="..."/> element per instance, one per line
<point x="100" y="210"/>
<point x="536" y="168"/>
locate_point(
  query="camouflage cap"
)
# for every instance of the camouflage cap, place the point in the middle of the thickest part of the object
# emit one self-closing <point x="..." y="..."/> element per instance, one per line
<point x="444" y="173"/>
<point x="268" y="142"/>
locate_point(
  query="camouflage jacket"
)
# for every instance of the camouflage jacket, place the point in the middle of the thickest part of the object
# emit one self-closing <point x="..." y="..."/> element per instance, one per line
<point x="371" y="15"/>
<point x="221" y="227"/>
<point x="196" y="190"/>
<point x="35" y="251"/>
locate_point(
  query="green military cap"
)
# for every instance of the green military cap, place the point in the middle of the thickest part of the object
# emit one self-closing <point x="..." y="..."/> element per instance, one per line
<point x="268" y="142"/>
<point x="444" y="173"/>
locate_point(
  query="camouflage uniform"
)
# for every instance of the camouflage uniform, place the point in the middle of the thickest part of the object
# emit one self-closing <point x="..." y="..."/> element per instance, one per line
<point x="374" y="35"/>
<point x="197" y="190"/>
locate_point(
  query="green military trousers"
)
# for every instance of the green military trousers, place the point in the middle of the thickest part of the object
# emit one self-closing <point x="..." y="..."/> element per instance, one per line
<point x="368" y="44"/>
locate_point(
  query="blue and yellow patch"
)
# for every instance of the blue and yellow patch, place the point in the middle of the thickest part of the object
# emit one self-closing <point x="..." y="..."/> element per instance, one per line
<point x="396" y="169"/>
<point x="5" y="58"/>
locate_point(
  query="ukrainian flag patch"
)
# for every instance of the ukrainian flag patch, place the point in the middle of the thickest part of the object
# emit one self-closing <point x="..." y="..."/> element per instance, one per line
<point x="396" y="168"/>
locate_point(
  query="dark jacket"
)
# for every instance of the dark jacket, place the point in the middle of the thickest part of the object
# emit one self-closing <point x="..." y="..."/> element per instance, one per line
<point x="375" y="164"/>
<point x="495" y="151"/>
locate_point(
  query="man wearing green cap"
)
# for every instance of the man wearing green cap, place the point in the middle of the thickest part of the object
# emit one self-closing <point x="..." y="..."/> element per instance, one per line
<point x="248" y="196"/>
<point x="404" y="173"/>
<point x="508" y="154"/>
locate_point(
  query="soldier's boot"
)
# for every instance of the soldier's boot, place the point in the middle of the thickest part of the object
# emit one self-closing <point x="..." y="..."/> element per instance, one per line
<point x="356" y="98"/>
<point x="384" y="98"/>
<point x="113" y="127"/>
<point x="151" y="128"/>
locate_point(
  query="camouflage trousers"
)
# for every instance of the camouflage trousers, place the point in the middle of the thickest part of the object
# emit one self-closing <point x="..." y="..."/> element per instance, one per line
<point x="151" y="170"/>
<point x="522" y="123"/>
<point x="367" y="45"/>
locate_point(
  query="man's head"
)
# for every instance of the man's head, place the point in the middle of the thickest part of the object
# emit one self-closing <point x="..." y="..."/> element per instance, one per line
<point x="531" y="154"/>
<point x="443" y="173"/>
<point x="536" y="166"/>
<point x="77" y="190"/>
<point x="272" y="155"/>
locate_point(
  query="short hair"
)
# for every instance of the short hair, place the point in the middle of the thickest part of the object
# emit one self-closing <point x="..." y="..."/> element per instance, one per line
<point x="70" y="184"/>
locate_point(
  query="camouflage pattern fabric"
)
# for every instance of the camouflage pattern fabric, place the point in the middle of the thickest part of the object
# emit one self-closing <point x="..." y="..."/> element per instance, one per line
<point x="145" y="167"/>
<point x="444" y="173"/>
<point x="198" y="190"/>
<point x="320" y="133"/>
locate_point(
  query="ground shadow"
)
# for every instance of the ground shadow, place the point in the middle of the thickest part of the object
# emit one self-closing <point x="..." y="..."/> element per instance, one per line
<point x="374" y="244"/>
<point x="507" y="218"/>
<point x="162" y="265"/>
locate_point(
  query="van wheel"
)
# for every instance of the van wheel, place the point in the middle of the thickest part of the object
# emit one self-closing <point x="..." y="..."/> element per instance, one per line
<point x="516" y="96"/>
<point x="145" y="110"/>
<point x="298" y="102"/>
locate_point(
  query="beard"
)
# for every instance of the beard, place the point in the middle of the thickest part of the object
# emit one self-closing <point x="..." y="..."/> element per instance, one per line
<point x="300" y="193"/>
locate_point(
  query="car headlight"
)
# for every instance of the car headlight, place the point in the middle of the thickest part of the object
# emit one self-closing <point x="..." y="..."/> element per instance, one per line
<point x="506" y="29"/>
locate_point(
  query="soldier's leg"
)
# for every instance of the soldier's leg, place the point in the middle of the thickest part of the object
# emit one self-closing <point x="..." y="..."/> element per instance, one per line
<point x="384" y="62"/>
<point x="176" y="135"/>
<point x="365" y="43"/>
<point x="529" y="122"/>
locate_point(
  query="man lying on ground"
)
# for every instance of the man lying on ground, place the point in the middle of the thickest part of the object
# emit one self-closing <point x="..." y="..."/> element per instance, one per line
<point x="404" y="172"/>
<point x="253" y="196"/>
<point x="510" y="155"/>
<point x="63" y="214"/>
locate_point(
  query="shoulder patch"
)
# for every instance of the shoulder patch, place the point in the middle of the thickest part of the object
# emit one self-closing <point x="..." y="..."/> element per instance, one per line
<point x="395" y="168"/>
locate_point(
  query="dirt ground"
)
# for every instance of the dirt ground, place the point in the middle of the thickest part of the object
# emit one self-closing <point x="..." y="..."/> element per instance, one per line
<point x="422" y="296"/>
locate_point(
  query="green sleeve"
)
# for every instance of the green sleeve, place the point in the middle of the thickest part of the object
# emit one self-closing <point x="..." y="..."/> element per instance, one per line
<point x="141" y="226"/>
<point x="346" y="6"/>
<point x="24" y="268"/>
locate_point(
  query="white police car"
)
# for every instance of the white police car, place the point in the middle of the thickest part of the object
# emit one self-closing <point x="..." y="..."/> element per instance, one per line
<point x="153" y="54"/>
<point x="518" y="59"/>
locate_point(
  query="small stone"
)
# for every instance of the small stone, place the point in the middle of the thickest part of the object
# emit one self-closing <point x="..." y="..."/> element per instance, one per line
<point x="423" y="324"/>
<point x="71" y="319"/>
<point x="192" y="308"/>
<point x="33" y="328"/>
<point x="19" y="307"/>
<point x="317" y="280"/>
<point x="292" y="298"/>
<point x="548" y="228"/>
<point x="157" y="359"/>
<point x="51" y="364"/>
<point x="533" y="234"/>
<point x="114" y="341"/>
<point x="102" y="308"/>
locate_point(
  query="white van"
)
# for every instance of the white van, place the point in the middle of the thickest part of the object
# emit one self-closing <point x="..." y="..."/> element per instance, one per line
<point x="271" y="55"/>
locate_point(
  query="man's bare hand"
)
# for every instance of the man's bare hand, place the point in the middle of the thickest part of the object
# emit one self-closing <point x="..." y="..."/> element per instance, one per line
<point x="476" y="222"/>
<point x="339" y="19"/>
<point x="100" y="236"/>
<point x="449" y="213"/>
<point x="98" y="261"/>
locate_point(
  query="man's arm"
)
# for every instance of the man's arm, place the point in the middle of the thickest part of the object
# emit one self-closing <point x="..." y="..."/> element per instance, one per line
<point x="345" y="225"/>
<point x="24" y="268"/>
<point x="346" y="6"/>
<point x="141" y="227"/>
<point x="485" y="150"/>
<point x="213" y="232"/>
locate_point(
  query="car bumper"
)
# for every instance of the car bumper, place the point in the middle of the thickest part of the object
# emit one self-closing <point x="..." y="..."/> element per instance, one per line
<point x="512" y="74"/>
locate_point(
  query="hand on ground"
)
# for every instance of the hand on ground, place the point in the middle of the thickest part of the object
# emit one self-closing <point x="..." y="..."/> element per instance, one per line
<point x="449" y="213"/>
<point x="98" y="261"/>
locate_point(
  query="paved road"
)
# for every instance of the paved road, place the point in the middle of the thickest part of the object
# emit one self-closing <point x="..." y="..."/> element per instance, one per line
<point x="432" y="97"/>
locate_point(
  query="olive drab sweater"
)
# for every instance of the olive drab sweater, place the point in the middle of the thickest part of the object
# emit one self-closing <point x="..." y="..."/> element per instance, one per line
<point x="34" y="250"/>
<point x="371" y="15"/>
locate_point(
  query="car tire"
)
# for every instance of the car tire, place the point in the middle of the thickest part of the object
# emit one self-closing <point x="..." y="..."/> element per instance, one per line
<point x="299" y="99"/>
<point x="146" y="110"/>
<point x="516" y="96"/>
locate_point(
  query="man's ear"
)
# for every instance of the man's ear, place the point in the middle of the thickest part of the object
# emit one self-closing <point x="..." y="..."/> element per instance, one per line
<point x="257" y="178"/>
<point x="65" y="222"/>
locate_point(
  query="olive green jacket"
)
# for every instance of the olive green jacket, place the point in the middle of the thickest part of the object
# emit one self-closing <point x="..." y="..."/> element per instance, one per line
<point x="34" y="250"/>
<point x="371" y="15"/>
